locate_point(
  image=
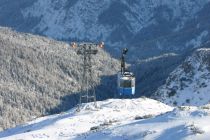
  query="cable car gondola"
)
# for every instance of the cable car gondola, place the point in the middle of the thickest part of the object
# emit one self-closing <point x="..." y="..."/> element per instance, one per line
<point x="126" y="79"/>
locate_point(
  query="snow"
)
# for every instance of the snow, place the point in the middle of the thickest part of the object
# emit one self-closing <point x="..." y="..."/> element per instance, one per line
<point x="64" y="22"/>
<point x="189" y="82"/>
<point x="80" y="20"/>
<point x="73" y="125"/>
<point x="194" y="93"/>
<point x="119" y="119"/>
<point x="197" y="42"/>
<point x="150" y="59"/>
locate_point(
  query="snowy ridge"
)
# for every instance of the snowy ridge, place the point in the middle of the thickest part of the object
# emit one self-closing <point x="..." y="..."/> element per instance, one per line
<point x="157" y="57"/>
<point x="189" y="83"/>
<point x="189" y="123"/>
<point x="70" y="125"/>
<point x="142" y="118"/>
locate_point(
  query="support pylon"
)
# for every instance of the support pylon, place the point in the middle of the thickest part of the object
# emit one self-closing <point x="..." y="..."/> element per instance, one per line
<point x="87" y="50"/>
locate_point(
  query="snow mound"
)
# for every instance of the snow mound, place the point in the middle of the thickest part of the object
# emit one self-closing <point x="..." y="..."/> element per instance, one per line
<point x="186" y="122"/>
<point x="73" y="124"/>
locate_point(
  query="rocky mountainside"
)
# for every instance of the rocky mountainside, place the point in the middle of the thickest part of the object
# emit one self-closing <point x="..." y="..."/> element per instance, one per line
<point x="41" y="76"/>
<point x="148" y="28"/>
<point x="188" y="84"/>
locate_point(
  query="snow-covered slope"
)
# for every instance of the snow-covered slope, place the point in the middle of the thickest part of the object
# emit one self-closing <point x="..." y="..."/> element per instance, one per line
<point x="184" y="123"/>
<point x="189" y="83"/>
<point x="72" y="125"/>
<point x="142" y="119"/>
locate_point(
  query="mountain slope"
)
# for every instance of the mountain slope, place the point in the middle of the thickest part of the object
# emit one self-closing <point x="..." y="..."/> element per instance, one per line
<point x="147" y="28"/>
<point x="141" y="118"/>
<point x="154" y="26"/>
<point x="188" y="84"/>
<point x="73" y="125"/>
<point x="41" y="76"/>
<point x="189" y="123"/>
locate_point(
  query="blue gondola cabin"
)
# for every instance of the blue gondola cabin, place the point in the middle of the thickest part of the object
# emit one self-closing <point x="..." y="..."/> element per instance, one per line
<point x="126" y="84"/>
